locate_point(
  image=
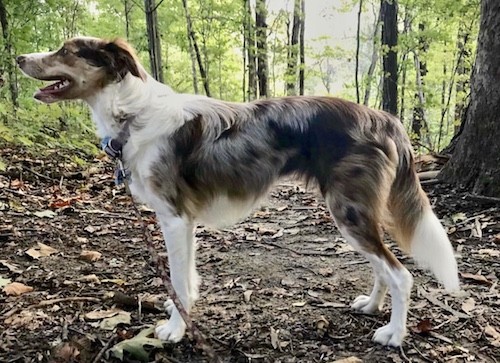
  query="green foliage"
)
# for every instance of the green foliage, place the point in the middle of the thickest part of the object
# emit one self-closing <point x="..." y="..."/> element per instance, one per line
<point x="218" y="25"/>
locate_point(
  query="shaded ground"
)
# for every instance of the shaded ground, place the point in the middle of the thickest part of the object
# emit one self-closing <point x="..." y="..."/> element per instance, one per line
<point x="276" y="288"/>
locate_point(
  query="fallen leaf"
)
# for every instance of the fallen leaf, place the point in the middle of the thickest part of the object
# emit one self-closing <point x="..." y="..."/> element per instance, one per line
<point x="11" y="267"/>
<point x="484" y="251"/>
<point x="274" y="338"/>
<point x="480" y="279"/>
<point x="349" y="360"/>
<point x="423" y="327"/>
<point x="135" y="346"/>
<point x="492" y="332"/>
<point x="41" y="251"/>
<point x="287" y="281"/>
<point x="247" y="295"/>
<point x="90" y="256"/>
<point x="45" y="214"/>
<point x="101" y="314"/>
<point x="4" y="281"/>
<point x="458" y="217"/>
<point x="16" y="289"/>
<point x="468" y="305"/>
<point x="90" y="278"/>
<point x="326" y="271"/>
<point x="299" y="304"/>
<point x="66" y="353"/>
<point x="322" y="325"/>
<point x="123" y="317"/>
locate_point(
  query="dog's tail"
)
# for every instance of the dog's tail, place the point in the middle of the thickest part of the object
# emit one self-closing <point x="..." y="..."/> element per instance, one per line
<point x="415" y="226"/>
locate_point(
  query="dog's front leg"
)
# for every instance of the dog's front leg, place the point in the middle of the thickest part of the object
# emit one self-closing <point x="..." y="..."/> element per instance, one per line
<point x="178" y="234"/>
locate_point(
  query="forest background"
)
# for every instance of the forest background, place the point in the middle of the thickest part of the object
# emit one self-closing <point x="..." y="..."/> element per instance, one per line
<point x="413" y="58"/>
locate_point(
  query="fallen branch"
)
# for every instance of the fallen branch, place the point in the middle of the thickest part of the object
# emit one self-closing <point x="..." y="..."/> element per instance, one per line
<point x="303" y="253"/>
<point x="64" y="299"/>
<point x="427" y="175"/>
<point x="442" y="305"/>
<point x="99" y="355"/>
<point x="483" y="198"/>
<point x="129" y="301"/>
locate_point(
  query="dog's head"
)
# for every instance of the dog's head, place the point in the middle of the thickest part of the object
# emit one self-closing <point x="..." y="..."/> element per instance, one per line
<point x="81" y="67"/>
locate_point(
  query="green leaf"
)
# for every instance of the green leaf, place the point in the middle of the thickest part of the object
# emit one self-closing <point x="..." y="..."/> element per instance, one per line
<point x="4" y="281"/>
<point x="136" y="346"/>
<point x="3" y="166"/>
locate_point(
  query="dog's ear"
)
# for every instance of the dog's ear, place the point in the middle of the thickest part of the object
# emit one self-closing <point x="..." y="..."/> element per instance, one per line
<point x="121" y="59"/>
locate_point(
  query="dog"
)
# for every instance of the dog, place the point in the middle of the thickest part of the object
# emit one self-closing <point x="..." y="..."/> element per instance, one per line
<point x="198" y="159"/>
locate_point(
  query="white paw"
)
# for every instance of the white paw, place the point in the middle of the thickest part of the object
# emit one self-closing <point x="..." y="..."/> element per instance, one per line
<point x="172" y="331"/>
<point x="169" y="306"/>
<point x="388" y="335"/>
<point x="366" y="305"/>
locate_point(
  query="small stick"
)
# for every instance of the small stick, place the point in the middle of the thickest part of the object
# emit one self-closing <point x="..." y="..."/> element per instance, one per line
<point x="104" y="349"/>
<point x="63" y="299"/>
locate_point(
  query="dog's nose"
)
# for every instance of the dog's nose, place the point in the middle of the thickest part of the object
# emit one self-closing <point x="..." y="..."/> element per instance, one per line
<point x="20" y="59"/>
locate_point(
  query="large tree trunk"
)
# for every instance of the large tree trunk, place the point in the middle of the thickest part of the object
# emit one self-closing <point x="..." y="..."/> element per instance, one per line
<point x="302" y="52"/>
<point x="293" y="52"/>
<point x="153" y="40"/>
<point x="261" y="35"/>
<point x="8" y="50"/>
<point x="389" y="13"/>
<point x="419" y="122"/>
<point x="475" y="162"/>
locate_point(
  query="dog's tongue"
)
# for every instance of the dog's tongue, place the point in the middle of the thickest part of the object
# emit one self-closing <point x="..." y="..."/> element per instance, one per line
<point x="47" y="94"/>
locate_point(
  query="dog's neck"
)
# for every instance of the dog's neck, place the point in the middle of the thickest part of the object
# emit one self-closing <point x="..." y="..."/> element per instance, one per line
<point x="130" y="97"/>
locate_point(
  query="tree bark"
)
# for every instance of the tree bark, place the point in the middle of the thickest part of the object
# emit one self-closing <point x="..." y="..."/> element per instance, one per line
<point x="252" y="68"/>
<point x="153" y="40"/>
<point x="389" y="11"/>
<point x="261" y="35"/>
<point x="358" y="41"/>
<point x="293" y="52"/>
<point x="475" y="162"/>
<point x="197" y="54"/>
<point x="302" y="66"/>
<point x="192" y="52"/>
<point x="373" y="62"/>
<point x="128" y="8"/>
<point x="462" y="80"/>
<point x="14" y="94"/>
<point x="419" y="123"/>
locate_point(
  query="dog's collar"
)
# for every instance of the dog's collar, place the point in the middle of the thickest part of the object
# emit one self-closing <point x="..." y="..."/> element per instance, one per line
<point x="113" y="147"/>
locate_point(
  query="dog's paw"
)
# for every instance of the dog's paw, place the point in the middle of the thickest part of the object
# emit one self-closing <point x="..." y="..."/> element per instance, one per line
<point x="389" y="335"/>
<point x="172" y="331"/>
<point x="366" y="305"/>
<point x="169" y="306"/>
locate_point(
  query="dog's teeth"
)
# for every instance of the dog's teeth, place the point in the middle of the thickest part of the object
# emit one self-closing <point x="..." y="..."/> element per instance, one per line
<point x="65" y="83"/>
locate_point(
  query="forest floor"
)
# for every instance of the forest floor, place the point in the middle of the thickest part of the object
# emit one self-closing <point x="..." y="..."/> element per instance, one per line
<point x="275" y="288"/>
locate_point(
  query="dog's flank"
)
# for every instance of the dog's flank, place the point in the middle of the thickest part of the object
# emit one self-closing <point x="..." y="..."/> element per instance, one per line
<point x="194" y="158"/>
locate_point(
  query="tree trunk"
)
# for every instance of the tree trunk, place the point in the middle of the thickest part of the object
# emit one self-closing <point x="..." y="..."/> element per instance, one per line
<point x="197" y="54"/>
<point x="8" y="50"/>
<point x="358" y="40"/>
<point x="373" y="62"/>
<point x="302" y="66"/>
<point x="261" y="35"/>
<point x="252" y="68"/>
<point x="389" y="11"/>
<point x="463" y="71"/>
<point x="192" y="52"/>
<point x="128" y="8"/>
<point x="153" y="40"/>
<point x="475" y="162"/>
<point x="419" y="123"/>
<point x="293" y="52"/>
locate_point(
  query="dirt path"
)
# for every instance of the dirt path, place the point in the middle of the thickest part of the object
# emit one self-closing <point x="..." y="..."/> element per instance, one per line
<point x="276" y="287"/>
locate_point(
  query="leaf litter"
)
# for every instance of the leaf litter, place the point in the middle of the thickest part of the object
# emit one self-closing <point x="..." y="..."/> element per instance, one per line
<point x="282" y="302"/>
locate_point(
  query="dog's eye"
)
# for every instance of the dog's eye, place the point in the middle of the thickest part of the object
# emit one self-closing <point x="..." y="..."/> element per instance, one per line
<point x="62" y="52"/>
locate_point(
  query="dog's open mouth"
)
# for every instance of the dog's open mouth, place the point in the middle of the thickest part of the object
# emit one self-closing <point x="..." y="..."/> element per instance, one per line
<point x="54" y="90"/>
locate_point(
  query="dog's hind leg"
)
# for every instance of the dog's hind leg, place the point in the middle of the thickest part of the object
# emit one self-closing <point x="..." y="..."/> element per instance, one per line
<point x="358" y="204"/>
<point x="178" y="234"/>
